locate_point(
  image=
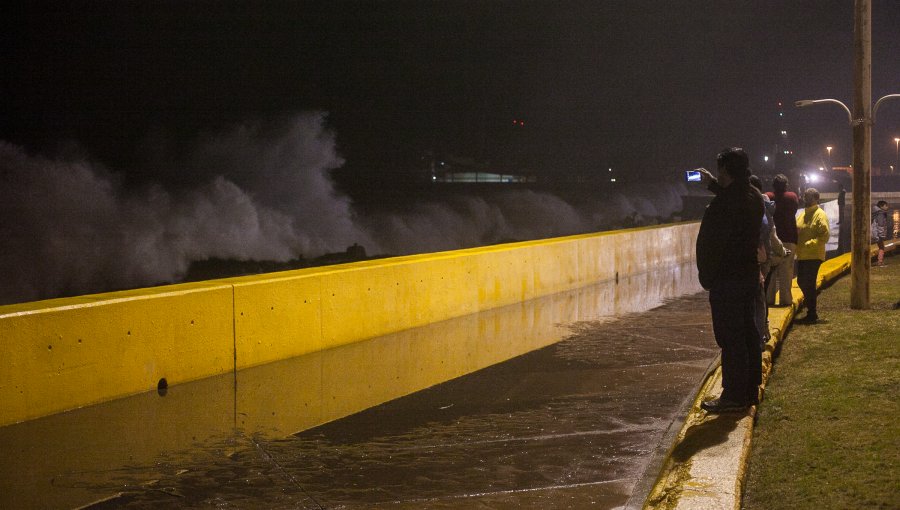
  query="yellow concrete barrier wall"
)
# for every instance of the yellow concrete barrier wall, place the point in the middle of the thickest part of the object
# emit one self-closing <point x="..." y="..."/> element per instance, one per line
<point x="66" y="353"/>
<point x="288" y="314"/>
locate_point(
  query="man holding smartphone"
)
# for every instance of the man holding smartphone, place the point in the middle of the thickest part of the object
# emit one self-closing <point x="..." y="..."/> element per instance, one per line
<point x="693" y="175"/>
<point x="728" y="268"/>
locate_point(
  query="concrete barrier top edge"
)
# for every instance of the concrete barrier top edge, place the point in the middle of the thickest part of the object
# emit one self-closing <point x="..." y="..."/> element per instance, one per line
<point x="90" y="300"/>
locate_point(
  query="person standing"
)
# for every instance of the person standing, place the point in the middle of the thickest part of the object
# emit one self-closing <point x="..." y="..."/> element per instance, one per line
<point x="880" y="229"/>
<point x="812" y="235"/>
<point x="764" y="257"/>
<point x="786" y="205"/>
<point x="842" y="202"/>
<point x="728" y="268"/>
<point x="843" y="233"/>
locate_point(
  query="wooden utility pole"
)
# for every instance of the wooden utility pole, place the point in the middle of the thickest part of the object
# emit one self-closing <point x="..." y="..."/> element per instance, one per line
<point x="860" y="256"/>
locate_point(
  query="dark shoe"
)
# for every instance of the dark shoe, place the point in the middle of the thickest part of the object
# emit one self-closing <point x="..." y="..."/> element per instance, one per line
<point x="809" y="319"/>
<point x="721" y="405"/>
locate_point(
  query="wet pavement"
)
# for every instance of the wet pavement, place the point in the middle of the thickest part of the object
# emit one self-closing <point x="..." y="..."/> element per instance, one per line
<point x="573" y="420"/>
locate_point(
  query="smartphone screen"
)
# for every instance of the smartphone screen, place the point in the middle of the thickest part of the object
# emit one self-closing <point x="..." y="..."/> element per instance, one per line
<point x="692" y="175"/>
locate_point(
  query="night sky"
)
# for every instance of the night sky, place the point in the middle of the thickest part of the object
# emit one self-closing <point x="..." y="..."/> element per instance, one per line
<point x="635" y="85"/>
<point x="138" y="138"/>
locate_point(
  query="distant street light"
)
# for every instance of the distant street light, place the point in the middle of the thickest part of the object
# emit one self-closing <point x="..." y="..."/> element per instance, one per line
<point x="828" y="148"/>
<point x="897" y="163"/>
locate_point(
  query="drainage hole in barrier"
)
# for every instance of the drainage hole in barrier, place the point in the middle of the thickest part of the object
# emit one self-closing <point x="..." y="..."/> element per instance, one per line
<point x="162" y="387"/>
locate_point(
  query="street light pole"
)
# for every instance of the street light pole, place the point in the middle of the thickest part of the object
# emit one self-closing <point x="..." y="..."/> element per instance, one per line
<point x="860" y="257"/>
<point x="861" y="121"/>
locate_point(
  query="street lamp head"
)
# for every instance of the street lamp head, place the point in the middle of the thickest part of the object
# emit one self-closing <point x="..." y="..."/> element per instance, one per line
<point x="803" y="102"/>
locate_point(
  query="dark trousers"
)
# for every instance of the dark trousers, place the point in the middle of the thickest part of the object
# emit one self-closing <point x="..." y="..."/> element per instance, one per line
<point x="733" y="305"/>
<point x="807" y="272"/>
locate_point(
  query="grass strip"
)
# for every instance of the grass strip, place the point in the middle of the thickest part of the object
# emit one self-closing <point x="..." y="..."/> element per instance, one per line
<point x="827" y="434"/>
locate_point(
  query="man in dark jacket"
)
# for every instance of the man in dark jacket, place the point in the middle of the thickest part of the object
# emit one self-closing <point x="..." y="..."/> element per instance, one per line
<point x="728" y="268"/>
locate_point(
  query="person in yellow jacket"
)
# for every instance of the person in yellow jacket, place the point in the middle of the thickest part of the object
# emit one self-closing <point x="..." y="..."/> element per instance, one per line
<point x="812" y="235"/>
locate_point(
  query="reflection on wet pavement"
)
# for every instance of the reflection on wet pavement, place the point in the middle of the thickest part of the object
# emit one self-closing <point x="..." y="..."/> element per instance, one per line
<point x="570" y="423"/>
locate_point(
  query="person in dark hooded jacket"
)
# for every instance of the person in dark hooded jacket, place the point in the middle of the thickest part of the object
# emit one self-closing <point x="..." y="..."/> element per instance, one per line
<point x="880" y="229"/>
<point x="728" y="268"/>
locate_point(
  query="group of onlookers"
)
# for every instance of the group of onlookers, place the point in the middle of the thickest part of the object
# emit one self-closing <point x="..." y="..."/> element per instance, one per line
<point x="746" y="251"/>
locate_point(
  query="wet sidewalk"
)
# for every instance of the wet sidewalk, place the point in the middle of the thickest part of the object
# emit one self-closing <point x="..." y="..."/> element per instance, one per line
<point x="582" y="422"/>
<point x="573" y="425"/>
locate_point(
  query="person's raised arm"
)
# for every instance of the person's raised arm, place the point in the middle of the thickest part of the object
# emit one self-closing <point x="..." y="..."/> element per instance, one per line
<point x="712" y="184"/>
